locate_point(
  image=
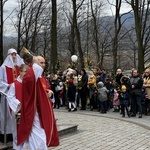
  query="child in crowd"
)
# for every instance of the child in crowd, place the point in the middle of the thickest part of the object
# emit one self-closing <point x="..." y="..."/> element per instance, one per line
<point x="71" y="94"/>
<point x="124" y="101"/>
<point x="102" y="96"/>
<point x="116" y="103"/>
<point x="94" y="99"/>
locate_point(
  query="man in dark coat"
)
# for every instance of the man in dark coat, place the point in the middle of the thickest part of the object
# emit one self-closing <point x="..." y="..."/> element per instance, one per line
<point x="136" y="83"/>
<point x="118" y="76"/>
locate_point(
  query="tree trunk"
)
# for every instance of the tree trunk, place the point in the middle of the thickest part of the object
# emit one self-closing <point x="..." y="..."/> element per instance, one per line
<point x="118" y="26"/>
<point x="95" y="33"/>
<point x="54" y="36"/>
<point x="72" y="39"/>
<point x="19" y="28"/>
<point x="138" y="24"/>
<point x="115" y="50"/>
<point x="78" y="35"/>
<point x="80" y="48"/>
<point x="1" y="32"/>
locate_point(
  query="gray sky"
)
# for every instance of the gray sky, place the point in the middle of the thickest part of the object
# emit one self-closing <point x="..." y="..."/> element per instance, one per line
<point x="10" y="5"/>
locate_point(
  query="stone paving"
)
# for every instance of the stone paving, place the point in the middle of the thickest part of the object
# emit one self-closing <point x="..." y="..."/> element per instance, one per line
<point x="104" y="131"/>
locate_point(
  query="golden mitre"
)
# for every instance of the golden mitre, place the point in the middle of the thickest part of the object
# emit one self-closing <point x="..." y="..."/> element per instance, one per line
<point x="26" y="51"/>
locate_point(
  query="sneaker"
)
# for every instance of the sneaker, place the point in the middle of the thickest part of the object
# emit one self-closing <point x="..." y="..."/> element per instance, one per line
<point x="74" y="109"/>
<point x="69" y="110"/>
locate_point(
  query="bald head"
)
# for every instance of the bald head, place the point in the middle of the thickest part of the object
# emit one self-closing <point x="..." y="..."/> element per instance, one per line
<point x="119" y="71"/>
<point x="41" y="61"/>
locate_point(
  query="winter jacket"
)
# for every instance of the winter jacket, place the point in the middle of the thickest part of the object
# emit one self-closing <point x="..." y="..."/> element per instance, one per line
<point x="102" y="92"/>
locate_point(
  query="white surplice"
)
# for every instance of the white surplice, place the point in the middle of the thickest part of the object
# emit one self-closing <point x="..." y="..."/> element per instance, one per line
<point x="4" y="86"/>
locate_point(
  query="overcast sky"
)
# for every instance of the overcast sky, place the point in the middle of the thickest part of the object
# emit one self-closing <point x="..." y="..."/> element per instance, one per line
<point x="10" y="5"/>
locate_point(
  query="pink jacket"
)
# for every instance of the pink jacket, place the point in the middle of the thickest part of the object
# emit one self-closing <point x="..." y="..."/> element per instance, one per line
<point x="116" y="99"/>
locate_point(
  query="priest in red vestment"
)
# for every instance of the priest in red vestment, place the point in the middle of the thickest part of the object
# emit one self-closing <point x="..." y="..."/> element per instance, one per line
<point x="37" y="124"/>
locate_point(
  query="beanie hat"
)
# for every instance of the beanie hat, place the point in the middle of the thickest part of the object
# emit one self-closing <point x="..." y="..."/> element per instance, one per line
<point x="123" y="87"/>
<point x="100" y="84"/>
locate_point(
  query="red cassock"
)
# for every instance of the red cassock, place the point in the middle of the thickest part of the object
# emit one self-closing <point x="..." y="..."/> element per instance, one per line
<point x="34" y="97"/>
<point x="18" y="92"/>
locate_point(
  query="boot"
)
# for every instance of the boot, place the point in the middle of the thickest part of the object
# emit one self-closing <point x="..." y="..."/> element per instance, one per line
<point x="140" y="115"/>
<point x="133" y="115"/>
<point x="123" y="115"/>
<point x="129" y="115"/>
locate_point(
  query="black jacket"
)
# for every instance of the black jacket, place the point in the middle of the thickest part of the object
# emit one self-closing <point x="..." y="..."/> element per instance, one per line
<point x="138" y="83"/>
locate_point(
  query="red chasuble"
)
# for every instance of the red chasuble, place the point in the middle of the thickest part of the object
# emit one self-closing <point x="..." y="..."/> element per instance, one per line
<point x="34" y="96"/>
<point x="12" y="74"/>
<point x="28" y="106"/>
<point x="46" y="114"/>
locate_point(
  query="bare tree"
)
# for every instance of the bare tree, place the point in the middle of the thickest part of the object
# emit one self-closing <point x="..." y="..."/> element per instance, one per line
<point x="117" y="34"/>
<point x="100" y="38"/>
<point x="73" y="16"/>
<point x="141" y="18"/>
<point x="23" y="4"/>
<point x="35" y="29"/>
<point x="105" y="42"/>
<point x="117" y="26"/>
<point x="30" y="23"/>
<point x="75" y="11"/>
<point x="96" y="29"/>
<point x="70" y="18"/>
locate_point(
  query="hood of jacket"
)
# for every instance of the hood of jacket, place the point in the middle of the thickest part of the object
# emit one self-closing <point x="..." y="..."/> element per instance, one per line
<point x="100" y="84"/>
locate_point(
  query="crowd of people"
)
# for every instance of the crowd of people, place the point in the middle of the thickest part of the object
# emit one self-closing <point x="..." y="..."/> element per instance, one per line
<point x="28" y="99"/>
<point x="98" y="90"/>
